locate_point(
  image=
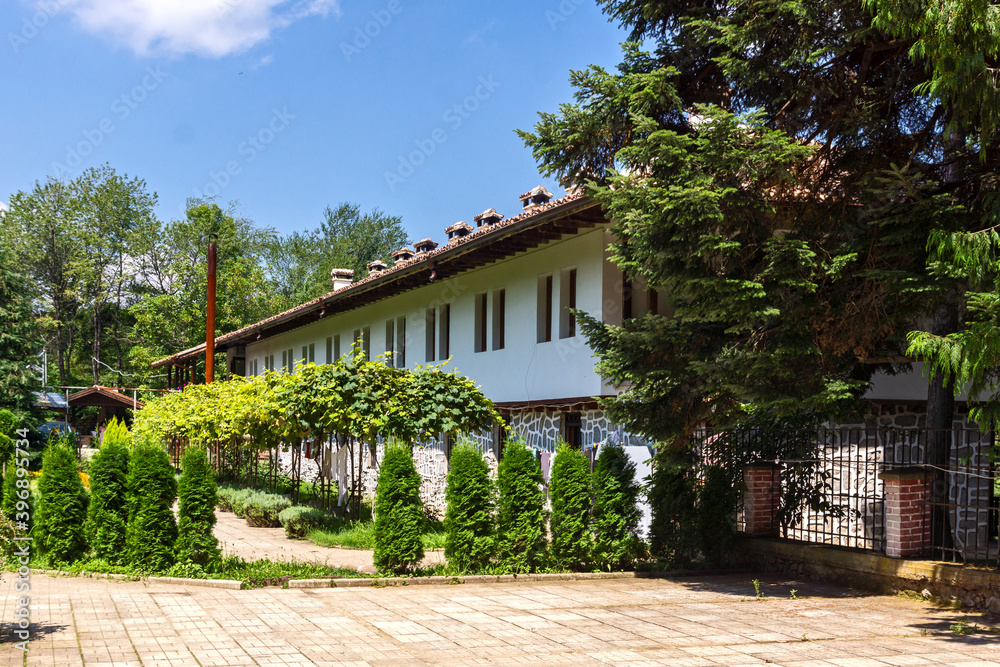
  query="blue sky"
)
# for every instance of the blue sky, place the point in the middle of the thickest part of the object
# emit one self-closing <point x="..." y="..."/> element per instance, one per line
<point x="288" y="106"/>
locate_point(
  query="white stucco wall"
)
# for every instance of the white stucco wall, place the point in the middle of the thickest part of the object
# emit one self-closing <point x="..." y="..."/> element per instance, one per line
<point x="524" y="369"/>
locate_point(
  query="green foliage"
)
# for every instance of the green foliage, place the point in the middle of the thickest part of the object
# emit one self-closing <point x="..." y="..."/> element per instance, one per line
<point x="20" y="340"/>
<point x="261" y="509"/>
<point x="571" y="495"/>
<point x="521" y="515"/>
<point x="298" y="520"/>
<point x="8" y="542"/>
<point x="468" y="520"/>
<point x="62" y="506"/>
<point x="8" y="504"/>
<point x="673" y="530"/>
<point x="398" y="512"/>
<point x="152" y="530"/>
<point x="107" y="514"/>
<point x="781" y="197"/>
<point x="8" y="424"/>
<point x="116" y="433"/>
<point x="616" y="510"/>
<point x="196" y="510"/>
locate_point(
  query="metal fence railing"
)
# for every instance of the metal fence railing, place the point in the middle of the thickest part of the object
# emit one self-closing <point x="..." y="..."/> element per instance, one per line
<point x="833" y="492"/>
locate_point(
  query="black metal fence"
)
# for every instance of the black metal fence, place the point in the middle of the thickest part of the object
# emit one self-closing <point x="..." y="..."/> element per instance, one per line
<point x="833" y="492"/>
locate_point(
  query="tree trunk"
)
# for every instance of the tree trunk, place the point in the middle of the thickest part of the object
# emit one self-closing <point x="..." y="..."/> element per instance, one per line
<point x="940" y="413"/>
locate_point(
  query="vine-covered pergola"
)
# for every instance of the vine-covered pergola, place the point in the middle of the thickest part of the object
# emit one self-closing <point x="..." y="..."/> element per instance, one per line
<point x="353" y="400"/>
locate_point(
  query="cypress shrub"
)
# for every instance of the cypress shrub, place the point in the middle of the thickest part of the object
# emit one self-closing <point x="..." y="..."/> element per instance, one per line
<point x="399" y="514"/>
<point x="152" y="531"/>
<point x="8" y="505"/>
<point x="107" y="515"/>
<point x="616" y="510"/>
<point x="62" y="506"/>
<point x="196" y="510"/>
<point x="521" y="512"/>
<point x="468" y="519"/>
<point x="570" y="493"/>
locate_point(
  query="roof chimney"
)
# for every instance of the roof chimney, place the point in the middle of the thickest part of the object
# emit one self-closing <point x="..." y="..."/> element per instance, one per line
<point x="424" y="246"/>
<point x="458" y="230"/>
<point x="535" y="197"/>
<point x="376" y="266"/>
<point x="402" y="255"/>
<point x="341" y="278"/>
<point x="487" y="218"/>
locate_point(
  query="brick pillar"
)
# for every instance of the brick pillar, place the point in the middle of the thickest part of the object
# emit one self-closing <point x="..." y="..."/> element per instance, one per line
<point x="907" y="512"/>
<point x="760" y="499"/>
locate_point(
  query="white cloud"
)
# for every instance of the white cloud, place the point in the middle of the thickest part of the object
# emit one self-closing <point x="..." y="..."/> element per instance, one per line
<point x="201" y="27"/>
<point x="263" y="62"/>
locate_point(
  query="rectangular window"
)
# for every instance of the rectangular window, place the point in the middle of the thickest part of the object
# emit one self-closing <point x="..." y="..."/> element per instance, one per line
<point x="401" y="342"/>
<point x="567" y="301"/>
<point x="430" y="344"/>
<point x="291" y="360"/>
<point x="357" y="342"/>
<point x="480" y="343"/>
<point x="366" y="342"/>
<point x="499" y="308"/>
<point x="312" y="353"/>
<point x="329" y="349"/>
<point x="284" y="359"/>
<point x="544" y="309"/>
<point x="444" y="332"/>
<point x="336" y="347"/>
<point x="390" y="342"/>
<point x="653" y="301"/>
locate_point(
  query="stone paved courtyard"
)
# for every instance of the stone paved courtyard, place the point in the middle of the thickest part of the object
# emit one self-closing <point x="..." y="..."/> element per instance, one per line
<point x="710" y="621"/>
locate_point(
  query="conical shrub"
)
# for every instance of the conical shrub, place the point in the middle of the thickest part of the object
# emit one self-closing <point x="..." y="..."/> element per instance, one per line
<point x="107" y="515"/>
<point x="569" y="491"/>
<point x="399" y="513"/>
<point x="468" y="519"/>
<point x="521" y="512"/>
<point x="615" y="521"/>
<point x="62" y="506"/>
<point x="197" y="495"/>
<point x="152" y="531"/>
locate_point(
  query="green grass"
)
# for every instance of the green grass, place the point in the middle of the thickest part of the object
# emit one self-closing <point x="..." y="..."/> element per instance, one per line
<point x="253" y="574"/>
<point x="361" y="535"/>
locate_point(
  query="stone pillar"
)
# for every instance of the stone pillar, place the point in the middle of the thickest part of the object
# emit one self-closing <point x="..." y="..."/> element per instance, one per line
<point x="761" y="499"/>
<point x="907" y="512"/>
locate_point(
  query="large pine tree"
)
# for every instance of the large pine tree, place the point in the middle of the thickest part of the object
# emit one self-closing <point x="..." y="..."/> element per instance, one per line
<point x="777" y="170"/>
<point x="20" y="339"/>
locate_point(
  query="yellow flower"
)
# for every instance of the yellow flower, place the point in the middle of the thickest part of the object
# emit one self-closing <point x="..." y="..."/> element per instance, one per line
<point x="86" y="479"/>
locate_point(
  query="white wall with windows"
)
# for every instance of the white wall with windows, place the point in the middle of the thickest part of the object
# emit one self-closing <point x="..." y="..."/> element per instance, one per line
<point x="488" y="320"/>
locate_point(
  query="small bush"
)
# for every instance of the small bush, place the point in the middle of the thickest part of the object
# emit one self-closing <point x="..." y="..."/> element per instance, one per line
<point x="107" y="514"/>
<point x="152" y="531"/>
<point x="8" y="544"/>
<point x="241" y="500"/>
<point x="196" y="510"/>
<point x="616" y="510"/>
<point x="398" y="512"/>
<point x="62" y="506"/>
<point x="261" y="509"/>
<point x="8" y="505"/>
<point x="298" y="520"/>
<point x="224" y="497"/>
<point x="569" y="490"/>
<point x="521" y="512"/>
<point x="468" y="519"/>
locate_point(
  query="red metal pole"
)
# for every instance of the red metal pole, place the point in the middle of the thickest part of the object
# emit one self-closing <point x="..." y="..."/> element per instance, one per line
<point x="210" y="320"/>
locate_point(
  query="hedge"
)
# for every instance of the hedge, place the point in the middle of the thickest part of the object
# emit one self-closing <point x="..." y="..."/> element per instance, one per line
<point x="62" y="505"/>
<point x="107" y="515"/>
<point x="152" y="530"/>
<point x="399" y="513"/>
<point x="616" y="511"/>
<point x="298" y="520"/>
<point x="521" y="515"/>
<point x="196" y="510"/>
<point x="468" y="519"/>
